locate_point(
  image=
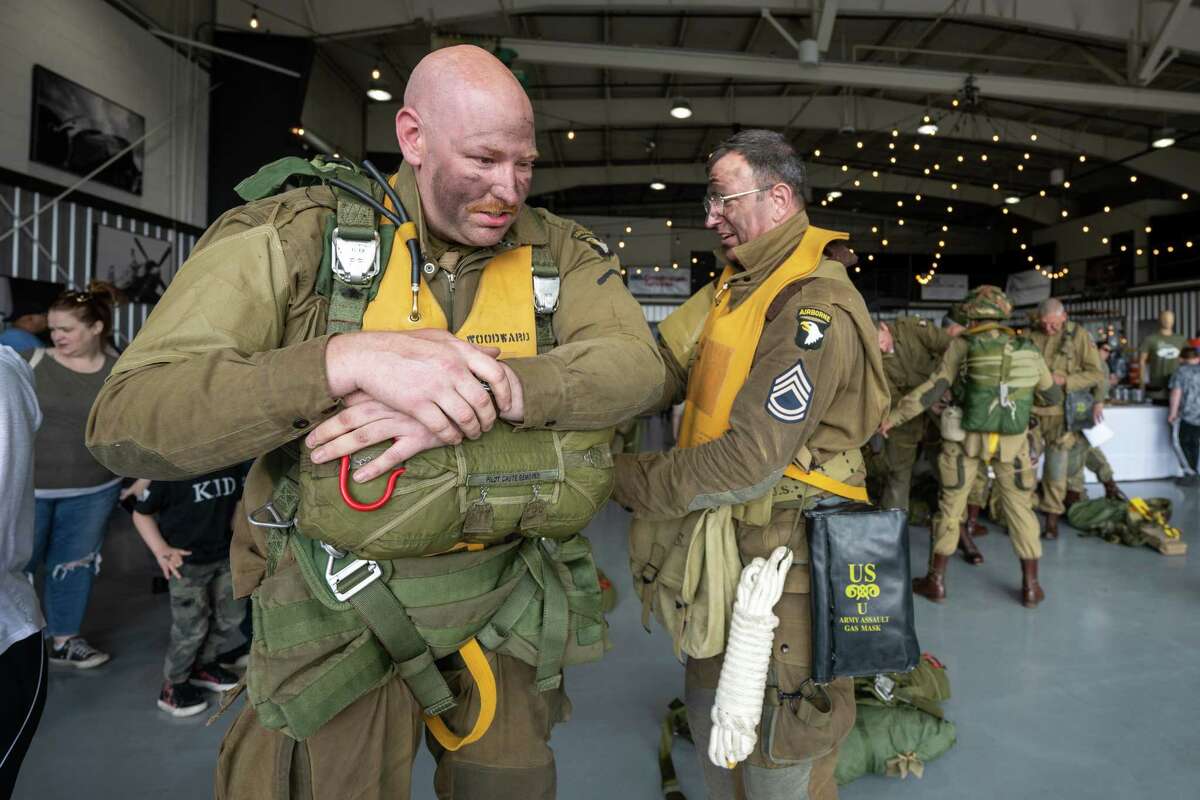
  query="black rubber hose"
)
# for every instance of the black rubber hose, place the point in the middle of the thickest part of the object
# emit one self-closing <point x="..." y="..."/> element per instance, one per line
<point x="414" y="246"/>
<point x="378" y="177"/>
<point x="369" y="200"/>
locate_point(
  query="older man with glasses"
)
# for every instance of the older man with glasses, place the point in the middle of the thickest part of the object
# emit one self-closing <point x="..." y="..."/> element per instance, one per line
<point x="783" y="380"/>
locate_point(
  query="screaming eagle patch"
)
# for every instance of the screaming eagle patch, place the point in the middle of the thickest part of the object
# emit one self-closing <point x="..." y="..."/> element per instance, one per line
<point x="592" y="241"/>
<point x="790" y="395"/>
<point x="811" y="325"/>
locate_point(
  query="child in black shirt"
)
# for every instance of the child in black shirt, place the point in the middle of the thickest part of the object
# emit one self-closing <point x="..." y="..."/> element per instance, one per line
<point x="190" y="543"/>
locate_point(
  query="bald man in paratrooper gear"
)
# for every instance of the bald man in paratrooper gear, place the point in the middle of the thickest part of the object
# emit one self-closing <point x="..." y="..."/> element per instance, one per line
<point x="994" y="376"/>
<point x="491" y="367"/>
<point x="1075" y="364"/>
<point x="778" y="365"/>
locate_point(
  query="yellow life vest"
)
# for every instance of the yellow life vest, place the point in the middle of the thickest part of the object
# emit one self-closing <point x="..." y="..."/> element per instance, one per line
<point x="503" y="315"/>
<point x="726" y="354"/>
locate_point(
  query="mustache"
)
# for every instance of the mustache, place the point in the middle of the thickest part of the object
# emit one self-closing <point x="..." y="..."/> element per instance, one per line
<point x="491" y="208"/>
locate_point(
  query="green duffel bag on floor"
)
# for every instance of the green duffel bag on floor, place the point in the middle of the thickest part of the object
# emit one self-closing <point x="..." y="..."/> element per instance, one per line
<point x="896" y="741"/>
<point x="1116" y="521"/>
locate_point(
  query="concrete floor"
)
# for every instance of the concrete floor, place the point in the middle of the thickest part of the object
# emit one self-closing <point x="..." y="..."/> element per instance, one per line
<point x="1093" y="695"/>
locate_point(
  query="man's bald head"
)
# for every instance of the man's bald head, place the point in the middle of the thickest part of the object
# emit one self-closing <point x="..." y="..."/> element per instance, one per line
<point x="463" y="78"/>
<point x="467" y="130"/>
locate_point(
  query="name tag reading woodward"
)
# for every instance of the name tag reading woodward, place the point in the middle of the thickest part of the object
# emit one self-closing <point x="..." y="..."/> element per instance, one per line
<point x="861" y="592"/>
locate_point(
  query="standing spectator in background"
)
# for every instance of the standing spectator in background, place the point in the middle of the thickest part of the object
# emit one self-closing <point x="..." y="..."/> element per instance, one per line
<point x="22" y="652"/>
<point x="1118" y="364"/>
<point x="75" y="494"/>
<point x="1184" y="408"/>
<point x="190" y="542"/>
<point x="23" y="326"/>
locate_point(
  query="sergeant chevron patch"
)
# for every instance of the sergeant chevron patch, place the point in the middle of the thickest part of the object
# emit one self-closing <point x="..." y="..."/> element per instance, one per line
<point x="790" y="394"/>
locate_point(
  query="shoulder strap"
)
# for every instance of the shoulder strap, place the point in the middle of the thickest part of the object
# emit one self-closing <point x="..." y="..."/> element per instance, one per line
<point x="355" y="235"/>
<point x="546" y="284"/>
<point x="781" y="299"/>
<point x="36" y="358"/>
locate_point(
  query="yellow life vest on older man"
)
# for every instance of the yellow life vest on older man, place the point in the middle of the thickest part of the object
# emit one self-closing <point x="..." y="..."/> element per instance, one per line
<point x="726" y="350"/>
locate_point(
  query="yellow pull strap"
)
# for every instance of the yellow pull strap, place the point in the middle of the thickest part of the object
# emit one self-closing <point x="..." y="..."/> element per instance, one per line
<point x="828" y="484"/>
<point x="485" y="679"/>
<point x="993" y="441"/>
<point x="1139" y="505"/>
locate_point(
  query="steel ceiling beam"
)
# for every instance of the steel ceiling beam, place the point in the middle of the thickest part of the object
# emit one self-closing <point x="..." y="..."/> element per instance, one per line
<point x="1042" y="211"/>
<point x="1174" y="165"/>
<point x="824" y="27"/>
<point x="857" y="76"/>
<point x="1153" y="63"/>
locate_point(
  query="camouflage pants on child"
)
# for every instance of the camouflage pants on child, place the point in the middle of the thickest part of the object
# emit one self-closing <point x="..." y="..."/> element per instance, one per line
<point x="204" y="618"/>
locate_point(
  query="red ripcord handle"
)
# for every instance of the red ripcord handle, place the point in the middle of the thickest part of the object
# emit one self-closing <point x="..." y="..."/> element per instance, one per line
<point x="343" y="484"/>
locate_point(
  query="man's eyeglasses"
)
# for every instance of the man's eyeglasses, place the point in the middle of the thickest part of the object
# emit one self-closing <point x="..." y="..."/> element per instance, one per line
<point x="715" y="203"/>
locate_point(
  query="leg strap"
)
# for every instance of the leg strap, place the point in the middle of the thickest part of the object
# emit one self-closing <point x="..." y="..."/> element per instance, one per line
<point x="481" y="672"/>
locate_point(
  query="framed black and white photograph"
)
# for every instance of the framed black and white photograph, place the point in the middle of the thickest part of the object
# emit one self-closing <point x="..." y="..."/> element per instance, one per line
<point x="77" y="130"/>
<point x="131" y="262"/>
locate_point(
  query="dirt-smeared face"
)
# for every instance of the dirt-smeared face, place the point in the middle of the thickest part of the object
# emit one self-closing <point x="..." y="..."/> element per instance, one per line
<point x="478" y="179"/>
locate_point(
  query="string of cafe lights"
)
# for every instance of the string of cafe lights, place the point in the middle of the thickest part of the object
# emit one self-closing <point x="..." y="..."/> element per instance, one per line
<point x="933" y="171"/>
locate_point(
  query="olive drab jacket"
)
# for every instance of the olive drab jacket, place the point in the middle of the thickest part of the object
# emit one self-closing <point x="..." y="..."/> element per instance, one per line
<point x="1072" y="354"/>
<point x="917" y="347"/>
<point x="849" y="395"/>
<point x="231" y="363"/>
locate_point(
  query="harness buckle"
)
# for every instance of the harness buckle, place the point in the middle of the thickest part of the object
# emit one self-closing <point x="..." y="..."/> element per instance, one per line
<point x="545" y="294"/>
<point x="355" y="261"/>
<point x="359" y="574"/>
<point x="276" y="522"/>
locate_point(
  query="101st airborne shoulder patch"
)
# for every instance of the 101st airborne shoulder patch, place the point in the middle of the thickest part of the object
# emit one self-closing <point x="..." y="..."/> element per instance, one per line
<point x="811" y="325"/>
<point x="790" y="395"/>
<point x="592" y="241"/>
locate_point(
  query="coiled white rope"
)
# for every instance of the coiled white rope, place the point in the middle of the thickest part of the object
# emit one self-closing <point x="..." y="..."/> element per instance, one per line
<point x="743" y="682"/>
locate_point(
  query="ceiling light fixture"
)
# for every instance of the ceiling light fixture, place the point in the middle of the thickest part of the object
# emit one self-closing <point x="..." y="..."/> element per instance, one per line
<point x="681" y="108"/>
<point x="658" y="184"/>
<point x="1163" y="138"/>
<point x="928" y="128"/>
<point x="379" y="93"/>
<point x="834" y="195"/>
<point x="1012" y="200"/>
<point x="570" y="136"/>
<point x="254" y="23"/>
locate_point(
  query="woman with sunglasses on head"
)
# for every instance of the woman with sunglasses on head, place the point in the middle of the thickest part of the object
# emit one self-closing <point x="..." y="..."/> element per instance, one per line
<point x="75" y="494"/>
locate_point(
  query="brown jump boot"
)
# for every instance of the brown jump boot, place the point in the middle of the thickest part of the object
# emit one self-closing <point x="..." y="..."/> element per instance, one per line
<point x="1031" y="590"/>
<point x="1051" y="531"/>
<point x="966" y="545"/>
<point x="933" y="586"/>
<point x="1072" y="498"/>
<point x="973" y="524"/>
<point x="1112" y="491"/>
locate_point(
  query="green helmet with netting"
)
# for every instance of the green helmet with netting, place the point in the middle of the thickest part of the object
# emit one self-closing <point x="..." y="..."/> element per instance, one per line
<point x="957" y="315"/>
<point x="986" y="302"/>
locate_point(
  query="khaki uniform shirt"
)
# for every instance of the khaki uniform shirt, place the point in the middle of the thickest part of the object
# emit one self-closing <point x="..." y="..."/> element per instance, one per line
<point x="231" y="363"/>
<point x="1072" y="354"/>
<point x="849" y="394"/>
<point x="917" y="346"/>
